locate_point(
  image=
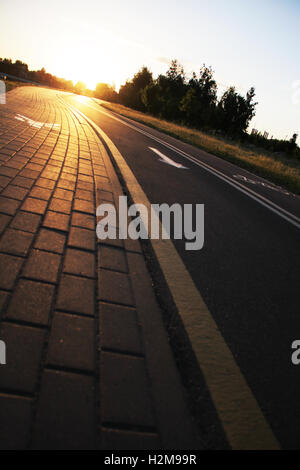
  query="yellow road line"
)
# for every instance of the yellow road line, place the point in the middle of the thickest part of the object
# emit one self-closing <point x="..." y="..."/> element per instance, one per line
<point x="243" y="422"/>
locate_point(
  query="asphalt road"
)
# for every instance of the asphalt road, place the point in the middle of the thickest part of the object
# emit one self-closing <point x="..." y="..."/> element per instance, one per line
<point x="248" y="271"/>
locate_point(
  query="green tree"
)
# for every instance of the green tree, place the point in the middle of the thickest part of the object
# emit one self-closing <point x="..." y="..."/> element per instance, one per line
<point x="130" y="94"/>
<point x="163" y="96"/>
<point x="293" y="147"/>
<point x="235" y="111"/>
<point x="294" y="139"/>
<point x="80" y="88"/>
<point x="198" y="104"/>
<point x="105" y="92"/>
<point x="151" y="99"/>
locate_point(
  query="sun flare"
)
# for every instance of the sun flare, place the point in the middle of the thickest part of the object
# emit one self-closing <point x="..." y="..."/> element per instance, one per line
<point x="80" y="60"/>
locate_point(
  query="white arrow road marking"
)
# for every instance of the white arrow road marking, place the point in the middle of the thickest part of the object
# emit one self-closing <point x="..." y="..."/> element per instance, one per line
<point x="168" y="160"/>
<point x="36" y="124"/>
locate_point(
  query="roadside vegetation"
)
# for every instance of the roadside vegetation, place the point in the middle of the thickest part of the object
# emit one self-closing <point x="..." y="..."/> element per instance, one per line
<point x="19" y="69"/>
<point x="278" y="168"/>
<point x="10" y="84"/>
<point x="190" y="109"/>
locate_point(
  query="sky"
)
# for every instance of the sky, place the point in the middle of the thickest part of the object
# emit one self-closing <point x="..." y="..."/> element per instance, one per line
<point x="247" y="44"/>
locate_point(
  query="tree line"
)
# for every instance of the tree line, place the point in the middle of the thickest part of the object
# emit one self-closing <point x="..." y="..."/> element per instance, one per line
<point x="192" y="102"/>
<point x="20" y="70"/>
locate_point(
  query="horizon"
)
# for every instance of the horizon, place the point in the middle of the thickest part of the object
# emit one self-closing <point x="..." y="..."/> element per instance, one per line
<point x="78" y="34"/>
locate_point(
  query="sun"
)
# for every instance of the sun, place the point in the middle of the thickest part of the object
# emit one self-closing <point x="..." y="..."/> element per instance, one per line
<point x="84" y="63"/>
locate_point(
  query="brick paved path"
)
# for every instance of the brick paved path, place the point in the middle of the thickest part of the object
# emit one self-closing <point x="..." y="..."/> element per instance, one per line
<point x="88" y="361"/>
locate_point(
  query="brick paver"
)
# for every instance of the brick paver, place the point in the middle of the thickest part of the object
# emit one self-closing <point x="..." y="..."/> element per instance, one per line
<point x="80" y="372"/>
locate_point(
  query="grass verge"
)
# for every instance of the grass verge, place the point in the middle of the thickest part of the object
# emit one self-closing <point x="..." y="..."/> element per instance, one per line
<point x="276" y="168"/>
<point x="10" y="84"/>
